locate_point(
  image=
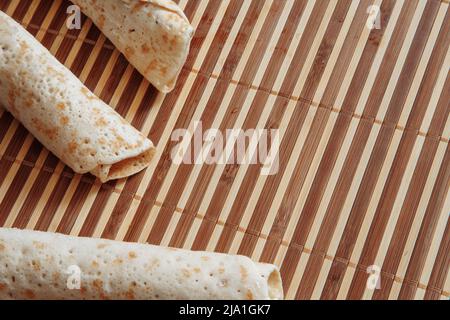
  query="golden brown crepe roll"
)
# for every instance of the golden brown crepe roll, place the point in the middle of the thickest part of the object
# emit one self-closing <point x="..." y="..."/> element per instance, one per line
<point x="38" y="265"/>
<point x="64" y="115"/>
<point x="154" y="35"/>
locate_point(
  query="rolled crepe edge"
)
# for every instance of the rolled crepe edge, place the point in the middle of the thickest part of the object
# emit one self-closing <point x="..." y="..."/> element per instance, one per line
<point x="272" y="275"/>
<point x="125" y="167"/>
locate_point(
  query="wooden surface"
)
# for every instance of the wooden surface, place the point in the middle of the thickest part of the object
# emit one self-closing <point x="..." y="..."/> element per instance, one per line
<point x="364" y="159"/>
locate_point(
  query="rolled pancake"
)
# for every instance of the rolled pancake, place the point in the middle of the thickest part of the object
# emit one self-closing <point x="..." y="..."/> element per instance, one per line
<point x="64" y="115"/>
<point x="38" y="265"/>
<point x="154" y="35"/>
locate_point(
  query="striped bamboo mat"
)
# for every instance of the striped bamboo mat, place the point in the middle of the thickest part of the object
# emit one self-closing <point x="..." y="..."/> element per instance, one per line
<point x="364" y="157"/>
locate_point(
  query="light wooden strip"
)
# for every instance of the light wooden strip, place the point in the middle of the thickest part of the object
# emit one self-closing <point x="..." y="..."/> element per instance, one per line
<point x="420" y="294"/>
<point x="299" y="271"/>
<point x="320" y="284"/>
<point x="8" y="136"/>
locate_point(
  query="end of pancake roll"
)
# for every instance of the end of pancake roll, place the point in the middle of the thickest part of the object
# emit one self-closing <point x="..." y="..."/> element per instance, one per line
<point x="153" y="35"/>
<point x="272" y="276"/>
<point x="124" y="168"/>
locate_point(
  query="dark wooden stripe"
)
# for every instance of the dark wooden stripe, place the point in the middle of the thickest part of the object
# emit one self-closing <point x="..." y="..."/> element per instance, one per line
<point x="5" y="4"/>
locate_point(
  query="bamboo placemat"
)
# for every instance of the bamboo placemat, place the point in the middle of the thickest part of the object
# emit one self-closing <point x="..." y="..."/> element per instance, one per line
<point x="364" y="158"/>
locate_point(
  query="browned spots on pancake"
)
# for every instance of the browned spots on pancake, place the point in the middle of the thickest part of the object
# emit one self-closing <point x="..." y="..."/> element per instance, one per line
<point x="249" y="295"/>
<point x="12" y="97"/>
<point x="102" y="141"/>
<point x="83" y="291"/>
<point x="29" y="102"/>
<point x="130" y="295"/>
<point x="145" y="48"/>
<point x="152" y="66"/>
<point x="163" y="71"/>
<point x="129" y="52"/>
<point x="29" y="294"/>
<point x="221" y="270"/>
<point x="61" y="106"/>
<point x="95" y="264"/>
<point x="101" y="122"/>
<point x="197" y="270"/>
<point x="102" y="245"/>
<point x="2" y="247"/>
<point x="165" y="38"/>
<point x="72" y="147"/>
<point x="132" y="255"/>
<point x="98" y="284"/>
<point x="153" y="264"/>
<point x="138" y="6"/>
<point x="103" y="296"/>
<point x="50" y="132"/>
<point x="56" y="276"/>
<point x="23" y="47"/>
<point x="64" y="120"/>
<point x="38" y="245"/>
<point x="2" y="286"/>
<point x="54" y="72"/>
<point x="101" y="21"/>
<point x="204" y="258"/>
<point x="186" y="273"/>
<point x="118" y="261"/>
<point x="244" y="273"/>
<point x="36" y="265"/>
